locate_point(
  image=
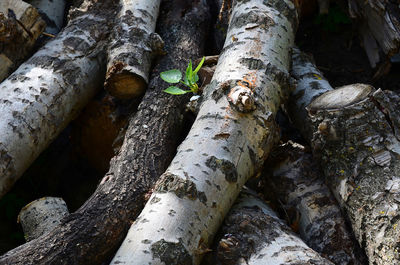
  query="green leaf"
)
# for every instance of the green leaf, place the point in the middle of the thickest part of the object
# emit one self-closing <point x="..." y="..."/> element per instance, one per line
<point x="172" y="76"/>
<point x="189" y="73"/>
<point x="173" y="90"/>
<point x="199" y="66"/>
<point x="196" y="78"/>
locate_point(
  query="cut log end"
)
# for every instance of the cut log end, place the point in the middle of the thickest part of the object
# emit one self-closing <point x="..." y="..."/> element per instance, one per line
<point x="341" y="97"/>
<point x="125" y="85"/>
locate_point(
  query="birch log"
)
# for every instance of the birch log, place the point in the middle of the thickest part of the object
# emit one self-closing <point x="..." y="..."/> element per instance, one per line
<point x="41" y="216"/>
<point x="52" y="11"/>
<point x="379" y="27"/>
<point x="254" y="235"/>
<point x="293" y="181"/>
<point x="356" y="141"/>
<point x="46" y="92"/>
<point x="92" y="234"/>
<point x="227" y="144"/>
<point x="133" y="44"/>
<point x="17" y="34"/>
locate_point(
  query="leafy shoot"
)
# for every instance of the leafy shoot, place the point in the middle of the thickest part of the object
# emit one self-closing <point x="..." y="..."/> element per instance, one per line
<point x="190" y="79"/>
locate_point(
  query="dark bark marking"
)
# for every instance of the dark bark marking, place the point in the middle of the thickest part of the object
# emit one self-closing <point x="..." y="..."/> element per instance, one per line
<point x="171" y="253"/>
<point x="252" y="17"/>
<point x="225" y="166"/>
<point x="284" y="9"/>
<point x="181" y="187"/>
<point x="252" y="63"/>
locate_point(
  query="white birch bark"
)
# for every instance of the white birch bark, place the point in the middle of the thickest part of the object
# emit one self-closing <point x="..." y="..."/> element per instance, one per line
<point x="355" y="136"/>
<point x="133" y="44"/>
<point x="310" y="83"/>
<point x="52" y="12"/>
<point x="46" y="92"/>
<point x="41" y="216"/>
<point x="227" y="144"/>
<point x="293" y="180"/>
<point x="17" y="40"/>
<point x="254" y="235"/>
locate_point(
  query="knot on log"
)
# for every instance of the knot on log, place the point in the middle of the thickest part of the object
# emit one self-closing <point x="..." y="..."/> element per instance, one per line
<point x="242" y="99"/>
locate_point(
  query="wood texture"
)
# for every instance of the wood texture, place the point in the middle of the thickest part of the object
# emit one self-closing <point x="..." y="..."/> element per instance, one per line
<point x="254" y="235"/>
<point x="227" y="143"/>
<point x="132" y="47"/>
<point x="355" y="138"/>
<point x="46" y="92"/>
<point x="20" y="26"/>
<point x="294" y="182"/>
<point x="92" y="234"/>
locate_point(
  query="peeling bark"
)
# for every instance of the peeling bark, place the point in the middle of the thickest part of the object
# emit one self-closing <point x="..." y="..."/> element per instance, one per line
<point x="380" y="27"/>
<point x="93" y="232"/>
<point x="357" y="144"/>
<point x="293" y="180"/>
<point x="225" y="145"/>
<point x="46" y="92"/>
<point x="133" y="44"/>
<point x="19" y="30"/>
<point x="41" y="216"/>
<point x="254" y="235"/>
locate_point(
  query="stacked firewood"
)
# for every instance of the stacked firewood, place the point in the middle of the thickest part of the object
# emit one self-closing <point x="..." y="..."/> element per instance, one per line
<point x="331" y="200"/>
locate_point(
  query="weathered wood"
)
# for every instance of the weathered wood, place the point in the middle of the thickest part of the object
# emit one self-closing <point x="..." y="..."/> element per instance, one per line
<point x="356" y="141"/>
<point x="93" y="233"/>
<point x="133" y="45"/>
<point x="294" y="182"/>
<point x="41" y="216"/>
<point x="379" y="28"/>
<point x="46" y="92"/>
<point x="227" y="143"/>
<point x="20" y="26"/>
<point x="254" y="235"/>
<point x="52" y="11"/>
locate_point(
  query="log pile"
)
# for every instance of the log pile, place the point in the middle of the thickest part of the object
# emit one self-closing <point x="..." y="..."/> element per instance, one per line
<point x="177" y="169"/>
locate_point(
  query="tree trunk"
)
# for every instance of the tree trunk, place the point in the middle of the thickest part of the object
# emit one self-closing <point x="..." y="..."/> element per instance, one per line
<point x="91" y="234"/>
<point x="293" y="180"/>
<point x="356" y="141"/>
<point x="39" y="99"/>
<point x="18" y="33"/>
<point x="254" y="235"/>
<point x="41" y="216"/>
<point x="52" y="12"/>
<point x="133" y="44"/>
<point x="227" y="144"/>
<point x="379" y="27"/>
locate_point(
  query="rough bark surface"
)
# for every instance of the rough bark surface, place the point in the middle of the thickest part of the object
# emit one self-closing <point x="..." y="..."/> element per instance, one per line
<point x="91" y="234"/>
<point x="309" y="84"/>
<point x="46" y="92"/>
<point x="20" y="26"/>
<point x="379" y="27"/>
<point x="356" y="140"/>
<point x="254" y="235"/>
<point x="41" y="216"/>
<point x="227" y="144"/>
<point x="52" y="11"/>
<point x="295" y="183"/>
<point x="133" y="44"/>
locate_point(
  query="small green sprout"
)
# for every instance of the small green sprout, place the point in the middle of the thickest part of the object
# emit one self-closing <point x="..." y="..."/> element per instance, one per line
<point x="190" y="80"/>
